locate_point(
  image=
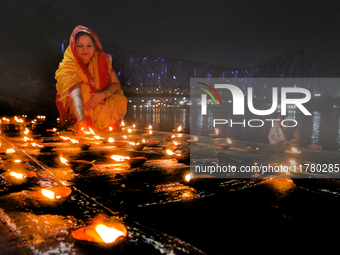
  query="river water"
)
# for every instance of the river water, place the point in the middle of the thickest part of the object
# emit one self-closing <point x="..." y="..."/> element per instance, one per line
<point x="322" y="128"/>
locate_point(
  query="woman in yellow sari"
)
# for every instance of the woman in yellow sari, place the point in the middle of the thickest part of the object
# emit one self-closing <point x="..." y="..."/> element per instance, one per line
<point x="88" y="91"/>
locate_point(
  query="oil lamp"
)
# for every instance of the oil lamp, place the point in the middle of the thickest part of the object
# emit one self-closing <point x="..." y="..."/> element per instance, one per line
<point x="216" y="134"/>
<point x="120" y="144"/>
<point x="188" y="177"/>
<point x="226" y="145"/>
<point x="118" y="158"/>
<point x="169" y="138"/>
<point x="52" y="196"/>
<point x="253" y="149"/>
<point x="293" y="152"/>
<point x="77" y="165"/>
<point x="136" y="161"/>
<point x="18" y="177"/>
<point x="180" y="157"/>
<point x="193" y="141"/>
<point x="102" y="233"/>
<point x="178" y="130"/>
<point x="147" y="134"/>
<point x="150" y="143"/>
<point x="137" y="146"/>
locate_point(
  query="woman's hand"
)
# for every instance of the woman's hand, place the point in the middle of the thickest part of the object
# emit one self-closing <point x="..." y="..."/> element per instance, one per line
<point x="96" y="98"/>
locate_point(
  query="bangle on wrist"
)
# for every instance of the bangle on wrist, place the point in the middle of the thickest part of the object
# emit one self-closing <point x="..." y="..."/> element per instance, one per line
<point x="109" y="92"/>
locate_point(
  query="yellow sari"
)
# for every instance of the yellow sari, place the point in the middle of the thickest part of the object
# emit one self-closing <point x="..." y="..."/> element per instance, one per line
<point x="72" y="74"/>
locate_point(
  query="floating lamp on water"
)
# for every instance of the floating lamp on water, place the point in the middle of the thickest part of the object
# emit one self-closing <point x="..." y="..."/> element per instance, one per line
<point x="226" y="145"/>
<point x="293" y="152"/>
<point x="216" y="134"/>
<point x="193" y="141"/>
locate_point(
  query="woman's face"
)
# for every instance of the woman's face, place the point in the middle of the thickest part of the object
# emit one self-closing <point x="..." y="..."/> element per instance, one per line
<point x="84" y="49"/>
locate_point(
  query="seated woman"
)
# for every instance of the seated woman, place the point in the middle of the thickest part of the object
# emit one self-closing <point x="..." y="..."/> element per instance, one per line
<point x="88" y="91"/>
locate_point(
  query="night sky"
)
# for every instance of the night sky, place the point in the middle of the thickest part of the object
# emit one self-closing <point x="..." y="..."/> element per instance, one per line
<point x="240" y="34"/>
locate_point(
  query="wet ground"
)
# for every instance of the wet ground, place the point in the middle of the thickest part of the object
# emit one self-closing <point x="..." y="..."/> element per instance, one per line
<point x="163" y="213"/>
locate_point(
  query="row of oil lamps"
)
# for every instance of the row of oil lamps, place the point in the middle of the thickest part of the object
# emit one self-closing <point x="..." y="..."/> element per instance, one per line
<point x="99" y="231"/>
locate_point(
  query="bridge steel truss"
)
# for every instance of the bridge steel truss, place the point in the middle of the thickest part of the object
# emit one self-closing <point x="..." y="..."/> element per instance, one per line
<point x="151" y="73"/>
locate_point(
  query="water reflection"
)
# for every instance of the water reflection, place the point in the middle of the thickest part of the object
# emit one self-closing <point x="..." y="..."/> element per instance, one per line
<point x="322" y="128"/>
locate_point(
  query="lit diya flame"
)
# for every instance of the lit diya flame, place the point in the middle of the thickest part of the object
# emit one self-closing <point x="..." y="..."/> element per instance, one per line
<point x="188" y="177"/>
<point x="119" y="158"/>
<point x="176" y="143"/>
<point x="110" y="128"/>
<point x="229" y="141"/>
<point x="150" y="127"/>
<point x="91" y="131"/>
<point x="104" y="233"/>
<point x="27" y="139"/>
<point x="122" y="123"/>
<point x="129" y="130"/>
<point x="65" y="138"/>
<point x="111" y="140"/>
<point x="17" y="175"/>
<point x="194" y="141"/>
<point x="18" y="120"/>
<point x="63" y="160"/>
<point x="10" y="151"/>
<point x="295" y="150"/>
<point x="49" y="194"/>
<point x="170" y="152"/>
<point x="26" y="131"/>
<point x="124" y="136"/>
<point x="134" y="125"/>
<point x="108" y="235"/>
<point x="36" y="145"/>
<point x="292" y="162"/>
